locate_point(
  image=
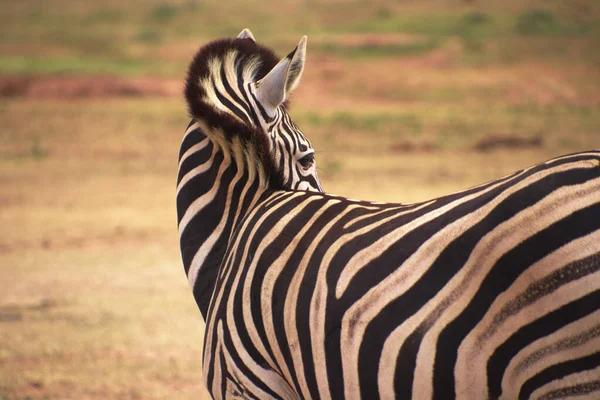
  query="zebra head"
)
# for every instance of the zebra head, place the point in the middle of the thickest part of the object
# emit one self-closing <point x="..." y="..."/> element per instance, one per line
<point x="247" y="82"/>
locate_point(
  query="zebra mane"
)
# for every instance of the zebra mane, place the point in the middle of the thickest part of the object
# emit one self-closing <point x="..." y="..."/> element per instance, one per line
<point x="234" y="59"/>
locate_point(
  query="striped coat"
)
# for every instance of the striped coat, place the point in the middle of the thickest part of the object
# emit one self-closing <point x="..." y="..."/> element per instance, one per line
<point x="492" y="292"/>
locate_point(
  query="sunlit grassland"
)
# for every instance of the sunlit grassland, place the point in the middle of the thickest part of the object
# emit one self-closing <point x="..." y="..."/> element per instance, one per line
<point x="402" y="102"/>
<point x="415" y="154"/>
<point x="94" y="302"/>
<point x="98" y="321"/>
<point x="158" y="37"/>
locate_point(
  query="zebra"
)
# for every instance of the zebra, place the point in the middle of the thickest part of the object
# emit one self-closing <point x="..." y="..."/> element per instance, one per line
<point x="490" y="292"/>
<point x="240" y="89"/>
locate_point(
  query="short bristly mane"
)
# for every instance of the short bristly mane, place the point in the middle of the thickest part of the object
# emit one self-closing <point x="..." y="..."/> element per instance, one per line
<point x="233" y="62"/>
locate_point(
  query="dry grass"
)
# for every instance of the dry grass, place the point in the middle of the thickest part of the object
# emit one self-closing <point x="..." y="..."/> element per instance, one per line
<point x="98" y="321"/>
<point x="94" y="303"/>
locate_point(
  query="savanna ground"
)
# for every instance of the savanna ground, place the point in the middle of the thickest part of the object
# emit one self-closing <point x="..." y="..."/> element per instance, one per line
<point x="402" y="101"/>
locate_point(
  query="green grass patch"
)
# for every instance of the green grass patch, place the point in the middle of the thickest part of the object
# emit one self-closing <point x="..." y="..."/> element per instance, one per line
<point x="470" y="24"/>
<point x="106" y="16"/>
<point x="148" y="36"/>
<point x="163" y="12"/>
<point x="452" y="127"/>
<point x="38" y="151"/>
<point x="368" y="50"/>
<point x="476" y="25"/>
<point x="115" y="32"/>
<point x="537" y="22"/>
<point x="428" y="24"/>
<point x="376" y="122"/>
<point x="544" y="22"/>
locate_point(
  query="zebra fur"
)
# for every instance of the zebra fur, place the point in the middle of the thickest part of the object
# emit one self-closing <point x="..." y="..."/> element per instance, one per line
<point x="239" y="86"/>
<point x="491" y="292"/>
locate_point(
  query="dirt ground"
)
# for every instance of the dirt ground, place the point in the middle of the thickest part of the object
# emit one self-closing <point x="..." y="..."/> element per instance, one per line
<point x="69" y="87"/>
<point x="94" y="303"/>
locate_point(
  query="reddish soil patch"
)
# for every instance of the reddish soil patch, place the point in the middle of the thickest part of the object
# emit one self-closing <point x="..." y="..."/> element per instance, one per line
<point x="59" y="86"/>
<point x="409" y="147"/>
<point x="494" y="142"/>
<point x="375" y="39"/>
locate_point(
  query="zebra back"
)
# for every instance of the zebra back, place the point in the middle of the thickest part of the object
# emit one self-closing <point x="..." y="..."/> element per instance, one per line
<point x="491" y="292"/>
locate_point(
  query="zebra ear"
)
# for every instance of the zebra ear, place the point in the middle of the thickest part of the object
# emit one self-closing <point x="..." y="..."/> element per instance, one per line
<point x="274" y="88"/>
<point x="246" y="34"/>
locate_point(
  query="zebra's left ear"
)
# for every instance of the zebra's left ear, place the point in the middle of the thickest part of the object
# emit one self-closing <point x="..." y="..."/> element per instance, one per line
<point x="246" y="34"/>
<point x="274" y="88"/>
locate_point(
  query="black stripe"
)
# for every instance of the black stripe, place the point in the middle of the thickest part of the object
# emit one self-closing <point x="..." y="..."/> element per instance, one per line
<point x="295" y="133"/>
<point x="242" y="89"/>
<point x="260" y="107"/>
<point x="223" y="366"/>
<point x="273" y="251"/>
<point x="290" y="161"/>
<point x="198" y="185"/>
<point x="220" y="310"/>
<point x="574" y="390"/>
<point x="450" y="261"/>
<point x="508" y="268"/>
<point x="558" y="371"/>
<point x="247" y="200"/>
<point x="232" y="107"/>
<point x="194" y="137"/>
<point x="283" y="282"/>
<point x="285" y="278"/>
<point x="544" y="326"/>
<point x="547" y="285"/>
<point x="311" y="181"/>
<point x="240" y="366"/>
<point x="196" y="233"/>
<point x="335" y="310"/>
<point x="232" y="92"/>
<point x="288" y="132"/>
<point x="562" y="345"/>
<point x="235" y="264"/>
<point x="195" y="160"/>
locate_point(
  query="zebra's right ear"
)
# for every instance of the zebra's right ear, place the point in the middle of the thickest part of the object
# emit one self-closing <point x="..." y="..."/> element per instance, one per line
<point x="274" y="88"/>
<point x="246" y="34"/>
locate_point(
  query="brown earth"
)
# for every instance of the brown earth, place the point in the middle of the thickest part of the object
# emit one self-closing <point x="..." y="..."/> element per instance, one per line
<point x="68" y="86"/>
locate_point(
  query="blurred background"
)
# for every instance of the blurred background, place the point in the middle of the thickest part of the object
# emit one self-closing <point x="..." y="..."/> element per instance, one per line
<point x="402" y="100"/>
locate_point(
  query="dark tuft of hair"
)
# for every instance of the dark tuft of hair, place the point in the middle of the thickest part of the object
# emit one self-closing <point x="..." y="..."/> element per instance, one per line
<point x="200" y="110"/>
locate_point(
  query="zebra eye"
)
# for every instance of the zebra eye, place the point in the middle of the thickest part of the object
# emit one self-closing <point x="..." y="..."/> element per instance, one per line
<point x="307" y="160"/>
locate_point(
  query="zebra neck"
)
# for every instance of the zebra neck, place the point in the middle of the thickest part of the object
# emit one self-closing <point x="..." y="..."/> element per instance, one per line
<point x="219" y="182"/>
